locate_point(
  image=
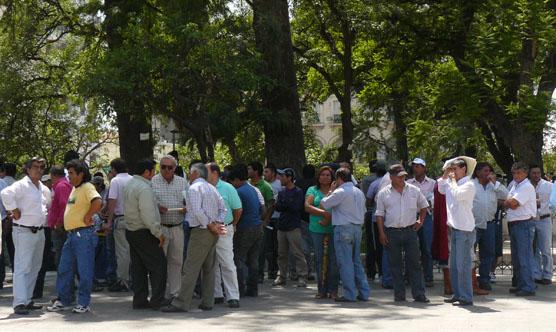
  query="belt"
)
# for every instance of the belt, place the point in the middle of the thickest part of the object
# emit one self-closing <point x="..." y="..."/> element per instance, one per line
<point x="75" y="230"/>
<point x="515" y="222"/>
<point x="33" y="229"/>
<point x="171" y="225"/>
<point x="544" y="216"/>
<point x="118" y="215"/>
<point x="400" y="228"/>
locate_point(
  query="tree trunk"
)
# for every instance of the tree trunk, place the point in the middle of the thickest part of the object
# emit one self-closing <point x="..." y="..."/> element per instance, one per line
<point x="344" y="151"/>
<point x="131" y="117"/>
<point x="400" y="129"/>
<point x="282" y="127"/>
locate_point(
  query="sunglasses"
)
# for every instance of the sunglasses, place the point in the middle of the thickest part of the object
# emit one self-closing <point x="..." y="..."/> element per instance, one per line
<point x="168" y="167"/>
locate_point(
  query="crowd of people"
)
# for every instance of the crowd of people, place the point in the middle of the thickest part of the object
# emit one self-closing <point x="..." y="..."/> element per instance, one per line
<point x="216" y="233"/>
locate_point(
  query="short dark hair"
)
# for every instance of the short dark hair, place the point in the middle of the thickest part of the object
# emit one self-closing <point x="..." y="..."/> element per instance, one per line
<point x="11" y="169"/>
<point x="174" y="154"/>
<point x="344" y="174"/>
<point x="80" y="167"/>
<point x="57" y="170"/>
<point x="119" y="165"/>
<point x="271" y="167"/>
<point x="70" y="155"/>
<point x="480" y="166"/>
<point x="257" y="167"/>
<point x="459" y="163"/>
<point x="143" y="165"/>
<point x="308" y="171"/>
<point x="535" y="166"/>
<point x="239" y="172"/>
<point x="214" y="168"/>
<point x="193" y="162"/>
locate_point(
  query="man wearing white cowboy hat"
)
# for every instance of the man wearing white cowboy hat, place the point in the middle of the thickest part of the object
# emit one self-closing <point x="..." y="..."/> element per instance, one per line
<point x="459" y="190"/>
<point x="426" y="186"/>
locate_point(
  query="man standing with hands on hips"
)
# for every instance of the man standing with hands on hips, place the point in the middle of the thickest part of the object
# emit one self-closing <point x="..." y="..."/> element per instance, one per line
<point x="455" y="183"/>
<point x="397" y="206"/>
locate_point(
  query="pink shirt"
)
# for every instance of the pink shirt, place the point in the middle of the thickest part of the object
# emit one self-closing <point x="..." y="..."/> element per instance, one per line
<point x="427" y="186"/>
<point x="62" y="190"/>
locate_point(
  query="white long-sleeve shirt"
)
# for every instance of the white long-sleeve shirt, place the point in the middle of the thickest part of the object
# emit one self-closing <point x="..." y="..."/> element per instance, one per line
<point x="543" y="190"/>
<point x="31" y="200"/>
<point x="485" y="202"/>
<point x="459" y="202"/>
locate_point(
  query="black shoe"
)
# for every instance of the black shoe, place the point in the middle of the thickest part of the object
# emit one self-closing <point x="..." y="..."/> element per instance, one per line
<point x="97" y="288"/>
<point x="422" y="299"/>
<point x="311" y="277"/>
<point x="399" y="299"/>
<point x="170" y="308"/>
<point x="233" y="304"/>
<point x="538" y="281"/>
<point x="513" y="290"/>
<point x="524" y="293"/>
<point x="141" y="306"/>
<point x="251" y="293"/>
<point x="485" y="286"/>
<point x="451" y="300"/>
<point x="119" y="287"/>
<point x="362" y="299"/>
<point x="205" y="307"/>
<point x="218" y="300"/>
<point x="462" y="303"/>
<point x="36" y="296"/>
<point x="547" y="282"/>
<point x="21" y="310"/>
<point x="387" y="286"/>
<point x="429" y="283"/>
<point x="31" y="306"/>
<point x="343" y="299"/>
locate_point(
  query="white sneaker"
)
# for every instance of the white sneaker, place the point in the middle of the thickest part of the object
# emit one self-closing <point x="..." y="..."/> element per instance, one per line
<point x="57" y="306"/>
<point x="492" y="277"/>
<point x="79" y="309"/>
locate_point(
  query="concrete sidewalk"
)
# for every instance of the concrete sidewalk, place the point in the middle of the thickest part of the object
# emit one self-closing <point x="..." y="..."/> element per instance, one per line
<point x="292" y="309"/>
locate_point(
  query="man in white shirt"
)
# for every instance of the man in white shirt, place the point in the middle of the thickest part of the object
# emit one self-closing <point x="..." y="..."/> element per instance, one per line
<point x="27" y="201"/>
<point x="485" y="205"/>
<point x="460" y="191"/>
<point x="396" y="208"/>
<point x="116" y="222"/>
<point x="426" y="185"/>
<point x="521" y="208"/>
<point x="542" y="228"/>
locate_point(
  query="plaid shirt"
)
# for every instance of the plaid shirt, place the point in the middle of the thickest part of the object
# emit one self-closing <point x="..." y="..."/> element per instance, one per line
<point x="204" y="204"/>
<point x="170" y="195"/>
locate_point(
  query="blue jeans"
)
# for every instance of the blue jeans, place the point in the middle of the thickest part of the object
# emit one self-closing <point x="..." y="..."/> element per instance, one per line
<point x="542" y="233"/>
<point x="387" y="279"/>
<point x="461" y="258"/>
<point x="425" y="244"/>
<point x="521" y="242"/>
<point x="78" y="255"/>
<point x="330" y="284"/>
<point x="486" y="241"/>
<point x="347" y="242"/>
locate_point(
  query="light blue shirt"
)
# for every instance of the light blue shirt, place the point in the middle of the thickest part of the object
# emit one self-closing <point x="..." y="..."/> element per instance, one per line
<point x="552" y="201"/>
<point x="231" y="199"/>
<point x="3" y="213"/>
<point x="347" y="203"/>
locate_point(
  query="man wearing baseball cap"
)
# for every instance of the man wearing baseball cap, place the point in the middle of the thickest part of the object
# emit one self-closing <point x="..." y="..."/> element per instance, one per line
<point x="397" y="206"/>
<point x="426" y="185"/>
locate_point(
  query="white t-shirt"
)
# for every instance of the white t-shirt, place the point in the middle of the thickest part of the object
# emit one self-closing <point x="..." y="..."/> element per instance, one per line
<point x="524" y="193"/>
<point x="116" y="191"/>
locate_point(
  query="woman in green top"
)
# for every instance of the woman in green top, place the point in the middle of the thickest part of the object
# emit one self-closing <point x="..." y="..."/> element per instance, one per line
<point x="321" y="231"/>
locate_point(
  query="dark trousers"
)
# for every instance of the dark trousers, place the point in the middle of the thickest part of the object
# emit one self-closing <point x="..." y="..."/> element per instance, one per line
<point x="147" y="262"/>
<point x="269" y="251"/>
<point x="8" y="243"/>
<point x="373" y="248"/>
<point x="247" y="243"/>
<point x="405" y="241"/>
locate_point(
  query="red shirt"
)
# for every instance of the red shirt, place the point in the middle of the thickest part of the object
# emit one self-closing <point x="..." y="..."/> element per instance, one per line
<point x="61" y="189"/>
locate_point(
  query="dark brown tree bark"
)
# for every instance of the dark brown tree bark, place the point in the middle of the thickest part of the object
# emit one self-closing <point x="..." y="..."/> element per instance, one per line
<point x="131" y="116"/>
<point x="282" y="124"/>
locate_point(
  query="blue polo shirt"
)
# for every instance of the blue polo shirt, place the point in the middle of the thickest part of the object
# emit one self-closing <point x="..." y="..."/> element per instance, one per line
<point x="251" y="215"/>
<point x="231" y="199"/>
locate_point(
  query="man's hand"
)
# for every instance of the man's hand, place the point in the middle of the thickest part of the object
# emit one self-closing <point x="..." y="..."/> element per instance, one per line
<point x="161" y="241"/>
<point x="383" y="239"/>
<point x="88" y="219"/>
<point x="162" y="209"/>
<point x="417" y="225"/>
<point x="333" y="186"/>
<point x="107" y="227"/>
<point x="217" y="228"/>
<point x="16" y="214"/>
<point x="492" y="178"/>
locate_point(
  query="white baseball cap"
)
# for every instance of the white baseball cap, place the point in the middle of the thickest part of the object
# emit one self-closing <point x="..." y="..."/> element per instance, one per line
<point x="419" y="161"/>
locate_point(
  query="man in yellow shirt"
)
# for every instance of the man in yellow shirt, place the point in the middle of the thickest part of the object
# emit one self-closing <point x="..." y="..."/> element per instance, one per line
<point x="78" y="253"/>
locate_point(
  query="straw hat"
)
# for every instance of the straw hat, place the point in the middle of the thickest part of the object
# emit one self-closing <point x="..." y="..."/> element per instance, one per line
<point x="470" y="162"/>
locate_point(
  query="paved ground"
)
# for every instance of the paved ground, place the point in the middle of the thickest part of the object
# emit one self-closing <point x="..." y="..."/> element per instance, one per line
<point x="291" y="309"/>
